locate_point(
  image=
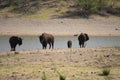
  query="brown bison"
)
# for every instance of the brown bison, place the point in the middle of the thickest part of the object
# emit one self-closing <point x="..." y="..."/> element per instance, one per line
<point x="14" y="40"/>
<point x="82" y="38"/>
<point x="46" y="39"/>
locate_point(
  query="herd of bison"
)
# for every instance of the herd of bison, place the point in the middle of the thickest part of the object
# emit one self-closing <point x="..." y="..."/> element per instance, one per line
<point x="45" y="39"/>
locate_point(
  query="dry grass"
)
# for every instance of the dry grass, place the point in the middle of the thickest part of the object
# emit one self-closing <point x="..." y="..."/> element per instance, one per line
<point x="75" y="64"/>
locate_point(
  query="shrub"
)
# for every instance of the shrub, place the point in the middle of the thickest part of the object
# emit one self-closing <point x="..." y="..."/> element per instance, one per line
<point x="62" y="77"/>
<point x="44" y="76"/>
<point x="106" y="72"/>
<point x="89" y="4"/>
<point x="95" y="5"/>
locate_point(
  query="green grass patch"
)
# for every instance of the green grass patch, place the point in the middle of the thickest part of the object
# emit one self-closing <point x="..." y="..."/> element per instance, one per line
<point x="8" y="55"/>
<point x="62" y="77"/>
<point x="44" y="77"/>
<point x="105" y="72"/>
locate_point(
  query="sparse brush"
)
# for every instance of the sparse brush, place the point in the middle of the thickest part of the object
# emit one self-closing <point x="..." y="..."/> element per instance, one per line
<point x="62" y="77"/>
<point x="44" y="76"/>
<point x="106" y="72"/>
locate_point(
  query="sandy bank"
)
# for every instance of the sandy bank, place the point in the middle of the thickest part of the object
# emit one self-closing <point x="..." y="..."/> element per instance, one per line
<point x="95" y="25"/>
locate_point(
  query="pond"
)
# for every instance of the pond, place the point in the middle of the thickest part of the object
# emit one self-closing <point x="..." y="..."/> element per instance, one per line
<point x="33" y="43"/>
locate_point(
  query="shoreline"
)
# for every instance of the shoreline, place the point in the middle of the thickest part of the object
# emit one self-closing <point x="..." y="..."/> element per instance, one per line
<point x="60" y="35"/>
<point x="57" y="50"/>
<point x="94" y="26"/>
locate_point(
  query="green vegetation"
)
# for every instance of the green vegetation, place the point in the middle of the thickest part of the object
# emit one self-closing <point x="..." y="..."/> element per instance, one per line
<point x="105" y="72"/>
<point x="8" y="55"/>
<point x="44" y="76"/>
<point x="96" y="4"/>
<point x="62" y="77"/>
<point x="57" y="8"/>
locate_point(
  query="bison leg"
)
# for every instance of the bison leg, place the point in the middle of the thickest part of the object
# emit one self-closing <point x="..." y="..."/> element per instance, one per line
<point x="80" y="44"/>
<point x="44" y="45"/>
<point x="12" y="49"/>
<point x="49" y="45"/>
<point x="83" y="44"/>
<point x="52" y="45"/>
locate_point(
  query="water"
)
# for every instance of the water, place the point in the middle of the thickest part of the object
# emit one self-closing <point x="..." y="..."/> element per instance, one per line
<point x="32" y="42"/>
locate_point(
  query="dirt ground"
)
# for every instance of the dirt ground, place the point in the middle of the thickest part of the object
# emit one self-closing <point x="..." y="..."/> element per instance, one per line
<point x="74" y="64"/>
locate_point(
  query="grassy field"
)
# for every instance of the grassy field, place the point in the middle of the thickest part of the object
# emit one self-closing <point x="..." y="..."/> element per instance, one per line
<point x="74" y="64"/>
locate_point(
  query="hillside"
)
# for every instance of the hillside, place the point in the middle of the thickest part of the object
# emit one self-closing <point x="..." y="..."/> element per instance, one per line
<point x="45" y="9"/>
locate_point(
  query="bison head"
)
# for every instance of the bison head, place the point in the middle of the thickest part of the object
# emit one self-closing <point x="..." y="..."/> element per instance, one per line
<point x="20" y="41"/>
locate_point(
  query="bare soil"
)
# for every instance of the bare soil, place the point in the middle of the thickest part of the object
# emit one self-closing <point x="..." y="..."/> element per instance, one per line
<point x="75" y="64"/>
<point x="95" y="25"/>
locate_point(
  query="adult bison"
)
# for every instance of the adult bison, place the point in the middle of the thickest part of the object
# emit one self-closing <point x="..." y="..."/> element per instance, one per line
<point x="82" y="38"/>
<point x="45" y="39"/>
<point x="14" y="40"/>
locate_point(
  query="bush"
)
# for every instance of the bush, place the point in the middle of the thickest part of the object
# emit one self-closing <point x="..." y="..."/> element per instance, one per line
<point x="89" y="4"/>
<point x="44" y="76"/>
<point x="106" y="72"/>
<point x="61" y="77"/>
<point x="95" y="5"/>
